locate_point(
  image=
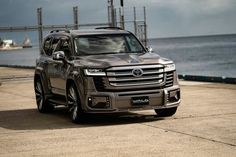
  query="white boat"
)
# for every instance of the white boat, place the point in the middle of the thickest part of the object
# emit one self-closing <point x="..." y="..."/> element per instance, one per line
<point x="9" y="45"/>
<point x="27" y="43"/>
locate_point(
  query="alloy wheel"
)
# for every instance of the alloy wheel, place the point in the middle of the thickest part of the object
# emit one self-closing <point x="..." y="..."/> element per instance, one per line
<point x="73" y="102"/>
<point x="39" y="95"/>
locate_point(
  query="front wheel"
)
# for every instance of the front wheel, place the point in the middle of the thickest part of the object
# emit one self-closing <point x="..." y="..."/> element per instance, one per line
<point x="166" y="112"/>
<point x="73" y="101"/>
<point x="42" y="103"/>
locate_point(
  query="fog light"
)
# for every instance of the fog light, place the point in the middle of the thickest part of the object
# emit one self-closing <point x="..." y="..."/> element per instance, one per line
<point x="90" y="102"/>
<point x="173" y="96"/>
<point x="100" y="102"/>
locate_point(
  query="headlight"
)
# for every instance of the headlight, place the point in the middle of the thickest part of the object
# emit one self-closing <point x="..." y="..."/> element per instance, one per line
<point x="169" y="67"/>
<point x="94" y="72"/>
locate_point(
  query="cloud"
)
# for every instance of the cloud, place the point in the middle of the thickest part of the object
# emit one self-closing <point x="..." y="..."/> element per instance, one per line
<point x="216" y="5"/>
<point x="190" y="17"/>
<point x="189" y="6"/>
<point x="165" y="17"/>
<point x="199" y="7"/>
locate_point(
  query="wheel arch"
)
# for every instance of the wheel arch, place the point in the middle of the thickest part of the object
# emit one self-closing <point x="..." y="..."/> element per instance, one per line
<point x="68" y="82"/>
<point x="72" y="81"/>
<point x="39" y="74"/>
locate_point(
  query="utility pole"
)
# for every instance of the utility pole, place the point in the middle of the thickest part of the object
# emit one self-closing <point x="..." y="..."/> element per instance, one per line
<point x="115" y="19"/>
<point x="145" y="26"/>
<point x="40" y="26"/>
<point x="135" y="22"/>
<point x="111" y="13"/>
<point x="75" y="14"/>
<point x="122" y="14"/>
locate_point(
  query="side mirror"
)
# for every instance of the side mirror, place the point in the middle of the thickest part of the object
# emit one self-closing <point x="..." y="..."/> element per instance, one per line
<point x="58" y="55"/>
<point x="149" y="49"/>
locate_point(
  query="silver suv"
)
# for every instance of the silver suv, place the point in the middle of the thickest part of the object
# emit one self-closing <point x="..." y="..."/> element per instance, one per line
<point x="102" y="71"/>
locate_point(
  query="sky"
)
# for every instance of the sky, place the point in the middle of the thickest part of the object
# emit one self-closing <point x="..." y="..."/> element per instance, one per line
<point x="165" y="18"/>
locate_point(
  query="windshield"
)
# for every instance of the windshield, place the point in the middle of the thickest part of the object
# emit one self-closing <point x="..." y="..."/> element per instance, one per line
<point x="107" y="44"/>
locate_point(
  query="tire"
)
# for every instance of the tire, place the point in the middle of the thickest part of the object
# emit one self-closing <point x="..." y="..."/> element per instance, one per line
<point x="73" y="102"/>
<point x="168" y="112"/>
<point x="42" y="104"/>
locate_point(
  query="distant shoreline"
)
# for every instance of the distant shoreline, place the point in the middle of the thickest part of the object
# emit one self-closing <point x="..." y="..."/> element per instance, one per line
<point x="194" y="36"/>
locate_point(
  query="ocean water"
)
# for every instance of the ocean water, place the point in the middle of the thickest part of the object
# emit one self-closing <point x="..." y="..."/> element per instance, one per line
<point x="20" y="57"/>
<point x="202" y="55"/>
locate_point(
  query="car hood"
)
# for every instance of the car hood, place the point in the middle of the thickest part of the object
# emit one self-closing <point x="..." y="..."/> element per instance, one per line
<point x="108" y="60"/>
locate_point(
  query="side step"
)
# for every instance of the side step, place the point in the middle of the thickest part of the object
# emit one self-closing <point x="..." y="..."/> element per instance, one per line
<point x="57" y="101"/>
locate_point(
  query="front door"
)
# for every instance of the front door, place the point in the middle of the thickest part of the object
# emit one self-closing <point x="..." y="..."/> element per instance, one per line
<point x="58" y="70"/>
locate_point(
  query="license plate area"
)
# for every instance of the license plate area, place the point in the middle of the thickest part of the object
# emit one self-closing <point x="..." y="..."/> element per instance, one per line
<point x="139" y="101"/>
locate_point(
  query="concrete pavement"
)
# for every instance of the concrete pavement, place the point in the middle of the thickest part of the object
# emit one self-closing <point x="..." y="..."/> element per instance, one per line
<point x="204" y="125"/>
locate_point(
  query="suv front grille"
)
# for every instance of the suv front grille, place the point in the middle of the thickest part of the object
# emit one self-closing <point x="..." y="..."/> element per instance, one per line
<point x="169" y="79"/>
<point x="122" y="79"/>
<point x="125" y="76"/>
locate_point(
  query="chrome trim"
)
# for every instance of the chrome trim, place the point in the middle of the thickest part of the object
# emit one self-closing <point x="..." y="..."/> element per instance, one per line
<point x="137" y="66"/>
<point x="147" y="72"/>
<point x="135" y="84"/>
<point x="137" y="72"/>
<point x="115" y="79"/>
<point x="124" y="76"/>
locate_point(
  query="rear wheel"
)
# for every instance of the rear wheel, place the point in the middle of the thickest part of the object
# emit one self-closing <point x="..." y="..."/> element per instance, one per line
<point x="166" y="112"/>
<point x="42" y="103"/>
<point x="73" y="101"/>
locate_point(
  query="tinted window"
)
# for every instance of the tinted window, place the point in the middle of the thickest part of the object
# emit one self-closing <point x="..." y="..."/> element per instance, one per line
<point x="50" y="45"/>
<point x="133" y="43"/>
<point x="104" y="44"/>
<point x="55" y="41"/>
<point x="47" y="46"/>
<point x="65" y="47"/>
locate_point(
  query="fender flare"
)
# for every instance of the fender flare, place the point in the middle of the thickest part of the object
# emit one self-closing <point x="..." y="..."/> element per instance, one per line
<point x="74" y="78"/>
<point x="39" y="73"/>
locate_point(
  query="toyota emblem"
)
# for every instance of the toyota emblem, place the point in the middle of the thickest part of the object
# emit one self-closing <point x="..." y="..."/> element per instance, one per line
<point x="137" y="72"/>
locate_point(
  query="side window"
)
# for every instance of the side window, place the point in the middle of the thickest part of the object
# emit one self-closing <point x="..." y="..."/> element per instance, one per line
<point x="47" y="46"/>
<point x="55" y="42"/>
<point x="134" y="45"/>
<point x="65" y="47"/>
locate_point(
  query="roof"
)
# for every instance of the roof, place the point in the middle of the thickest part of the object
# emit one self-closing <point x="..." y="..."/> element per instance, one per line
<point x="96" y="31"/>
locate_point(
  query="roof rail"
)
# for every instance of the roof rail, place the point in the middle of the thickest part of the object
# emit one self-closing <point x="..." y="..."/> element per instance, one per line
<point x="117" y="28"/>
<point x="60" y="30"/>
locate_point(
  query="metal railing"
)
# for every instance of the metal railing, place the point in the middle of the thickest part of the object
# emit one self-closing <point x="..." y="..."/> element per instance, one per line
<point x="140" y="27"/>
<point x="40" y="27"/>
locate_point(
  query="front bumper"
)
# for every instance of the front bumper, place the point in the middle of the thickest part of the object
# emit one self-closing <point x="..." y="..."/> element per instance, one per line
<point x="107" y="102"/>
